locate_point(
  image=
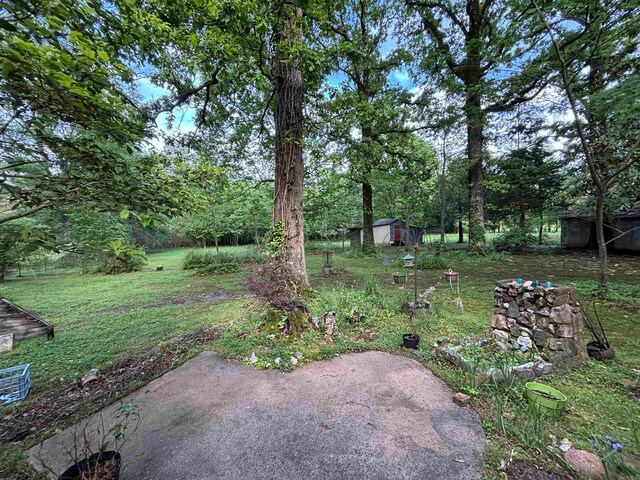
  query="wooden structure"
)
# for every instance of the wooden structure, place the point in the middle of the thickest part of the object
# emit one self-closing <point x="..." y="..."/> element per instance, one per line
<point x="21" y="323"/>
<point x="389" y="231"/>
<point x="628" y="222"/>
<point x="579" y="231"/>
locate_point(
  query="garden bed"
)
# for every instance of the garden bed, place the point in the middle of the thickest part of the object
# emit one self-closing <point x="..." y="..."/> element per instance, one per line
<point x="490" y="360"/>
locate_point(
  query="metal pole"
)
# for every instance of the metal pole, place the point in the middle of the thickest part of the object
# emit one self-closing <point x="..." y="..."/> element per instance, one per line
<point x="415" y="275"/>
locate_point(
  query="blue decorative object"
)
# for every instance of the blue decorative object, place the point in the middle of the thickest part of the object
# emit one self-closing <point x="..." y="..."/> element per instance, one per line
<point x="536" y="283"/>
<point x="548" y="284"/>
<point x="14" y="384"/>
<point x="524" y="343"/>
<point x="385" y="261"/>
<point x="519" y="281"/>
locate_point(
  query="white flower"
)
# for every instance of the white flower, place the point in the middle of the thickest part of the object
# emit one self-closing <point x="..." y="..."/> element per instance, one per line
<point x="277" y="361"/>
<point x="294" y="360"/>
<point x="253" y="358"/>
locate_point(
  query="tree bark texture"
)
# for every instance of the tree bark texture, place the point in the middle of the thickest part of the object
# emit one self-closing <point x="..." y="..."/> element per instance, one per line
<point x="475" y="144"/>
<point x="368" y="245"/>
<point x="367" y="218"/>
<point x="441" y="187"/>
<point x="289" y="168"/>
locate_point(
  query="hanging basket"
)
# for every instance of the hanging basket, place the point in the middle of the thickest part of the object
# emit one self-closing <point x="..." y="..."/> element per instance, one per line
<point x="451" y="277"/>
<point x="399" y="278"/>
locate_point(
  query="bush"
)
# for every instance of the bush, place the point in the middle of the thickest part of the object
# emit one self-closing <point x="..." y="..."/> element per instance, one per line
<point x="121" y="258"/>
<point x="205" y="261"/>
<point x="517" y="239"/>
<point x="437" y="247"/>
<point x="219" y="268"/>
<point x="197" y="259"/>
<point x="432" y="262"/>
<point x="276" y="284"/>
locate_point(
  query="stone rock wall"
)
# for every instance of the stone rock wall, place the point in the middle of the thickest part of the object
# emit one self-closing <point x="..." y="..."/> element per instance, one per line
<point x="551" y="317"/>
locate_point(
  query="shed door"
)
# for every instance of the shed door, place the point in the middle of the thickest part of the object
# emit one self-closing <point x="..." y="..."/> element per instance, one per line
<point x="397" y="233"/>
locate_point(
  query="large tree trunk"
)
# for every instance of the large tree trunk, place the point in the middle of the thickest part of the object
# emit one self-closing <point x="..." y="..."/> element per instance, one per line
<point x="522" y="221"/>
<point x="289" y="170"/>
<point x="475" y="141"/>
<point x="475" y="123"/>
<point x="541" y="228"/>
<point x="368" y="245"/>
<point x="442" y="192"/>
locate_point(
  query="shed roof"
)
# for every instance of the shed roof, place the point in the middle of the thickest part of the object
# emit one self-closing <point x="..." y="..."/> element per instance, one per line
<point x="633" y="213"/>
<point x="384" y="221"/>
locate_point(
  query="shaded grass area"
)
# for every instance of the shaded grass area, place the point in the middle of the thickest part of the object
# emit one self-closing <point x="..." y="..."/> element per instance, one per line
<point x="99" y="319"/>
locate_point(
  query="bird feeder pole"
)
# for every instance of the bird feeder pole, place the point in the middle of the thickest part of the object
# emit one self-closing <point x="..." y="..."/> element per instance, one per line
<point x="415" y="275"/>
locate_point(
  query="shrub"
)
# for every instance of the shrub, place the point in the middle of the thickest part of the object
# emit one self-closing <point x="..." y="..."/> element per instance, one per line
<point x="437" y="247"/>
<point x="197" y="259"/>
<point x="121" y="258"/>
<point x="431" y="262"/>
<point x="276" y="284"/>
<point x="219" y="268"/>
<point x="517" y="239"/>
<point x="205" y="261"/>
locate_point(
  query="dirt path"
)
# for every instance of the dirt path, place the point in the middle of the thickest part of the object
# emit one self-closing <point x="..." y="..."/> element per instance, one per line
<point x="363" y="415"/>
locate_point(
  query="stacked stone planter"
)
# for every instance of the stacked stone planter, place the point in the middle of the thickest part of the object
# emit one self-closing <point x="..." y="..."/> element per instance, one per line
<point x="552" y="317"/>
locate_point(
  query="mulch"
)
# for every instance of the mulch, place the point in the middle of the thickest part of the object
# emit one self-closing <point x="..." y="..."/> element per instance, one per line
<point x="522" y="470"/>
<point x="53" y="408"/>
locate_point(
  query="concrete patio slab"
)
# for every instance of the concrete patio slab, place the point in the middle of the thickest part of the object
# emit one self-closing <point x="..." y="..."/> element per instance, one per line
<point x="365" y="415"/>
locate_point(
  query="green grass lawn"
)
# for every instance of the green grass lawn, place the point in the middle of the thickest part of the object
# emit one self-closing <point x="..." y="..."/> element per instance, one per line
<point x="99" y="319"/>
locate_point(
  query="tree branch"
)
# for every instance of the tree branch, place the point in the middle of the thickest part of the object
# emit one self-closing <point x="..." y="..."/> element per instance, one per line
<point x="25" y="213"/>
<point x="444" y="48"/>
<point x="445" y="8"/>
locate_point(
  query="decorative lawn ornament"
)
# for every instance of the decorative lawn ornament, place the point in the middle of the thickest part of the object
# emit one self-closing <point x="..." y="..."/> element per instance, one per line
<point x="409" y="260"/>
<point x="385" y="262"/>
<point x="327" y="268"/>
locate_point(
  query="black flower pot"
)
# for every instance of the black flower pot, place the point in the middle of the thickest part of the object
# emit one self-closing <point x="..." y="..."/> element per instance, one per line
<point x="74" y="472"/>
<point x="600" y="352"/>
<point x="410" y="340"/>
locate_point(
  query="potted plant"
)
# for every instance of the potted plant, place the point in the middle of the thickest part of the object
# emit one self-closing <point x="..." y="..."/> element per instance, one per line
<point x="96" y="450"/>
<point x="399" y="278"/>
<point x="410" y="340"/>
<point x="546" y="399"/>
<point x="599" y="348"/>
<point x="451" y="276"/>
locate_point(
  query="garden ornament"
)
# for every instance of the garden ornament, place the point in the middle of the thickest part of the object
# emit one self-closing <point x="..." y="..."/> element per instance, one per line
<point x="524" y="343"/>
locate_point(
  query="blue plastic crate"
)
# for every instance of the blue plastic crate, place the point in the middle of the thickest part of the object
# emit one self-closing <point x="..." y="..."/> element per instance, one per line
<point x="14" y="384"/>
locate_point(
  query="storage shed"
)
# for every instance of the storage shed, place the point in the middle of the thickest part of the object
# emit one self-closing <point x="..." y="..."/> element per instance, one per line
<point x="389" y="231"/>
<point x="579" y="231"/>
<point x="628" y="222"/>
